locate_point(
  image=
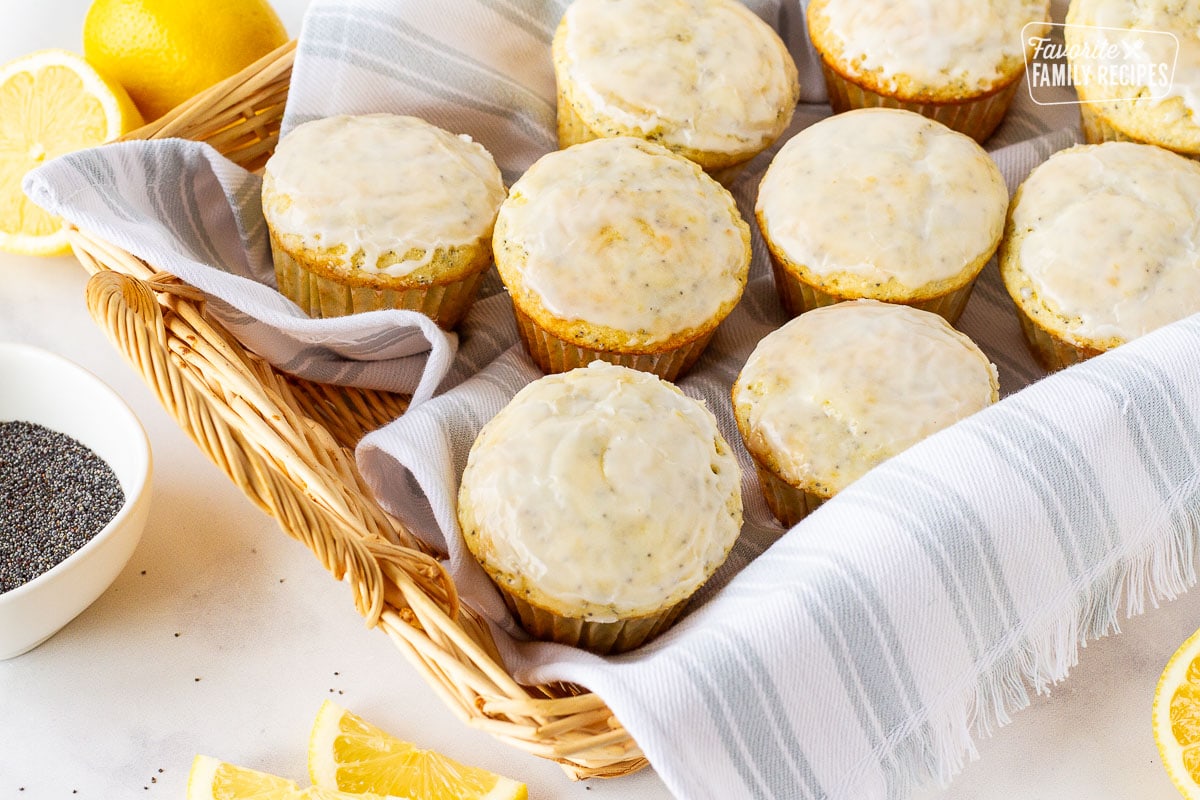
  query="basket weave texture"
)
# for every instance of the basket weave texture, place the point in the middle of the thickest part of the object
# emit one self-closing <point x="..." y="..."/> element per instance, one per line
<point x="288" y="444"/>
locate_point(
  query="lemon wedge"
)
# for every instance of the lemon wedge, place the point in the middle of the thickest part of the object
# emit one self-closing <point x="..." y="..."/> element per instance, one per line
<point x="212" y="779"/>
<point x="51" y="102"/>
<point x="347" y="753"/>
<point x="1177" y="717"/>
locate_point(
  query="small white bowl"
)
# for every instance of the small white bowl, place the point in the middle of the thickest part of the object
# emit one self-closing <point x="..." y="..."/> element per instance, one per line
<point x="48" y="390"/>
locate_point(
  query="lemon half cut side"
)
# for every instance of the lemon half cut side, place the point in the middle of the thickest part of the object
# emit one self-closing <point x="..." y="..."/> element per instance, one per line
<point x="1177" y="717"/>
<point x="52" y="102"/>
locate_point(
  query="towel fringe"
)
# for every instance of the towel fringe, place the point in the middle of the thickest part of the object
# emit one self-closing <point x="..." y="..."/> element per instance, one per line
<point x="941" y="746"/>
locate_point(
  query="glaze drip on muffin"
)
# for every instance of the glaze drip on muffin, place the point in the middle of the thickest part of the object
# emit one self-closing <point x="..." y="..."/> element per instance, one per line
<point x="1106" y="239"/>
<point x="623" y="234"/>
<point x="909" y="46"/>
<point x="380" y="192"/>
<point x="707" y="75"/>
<point x="603" y="493"/>
<point x="884" y="197"/>
<point x="842" y="388"/>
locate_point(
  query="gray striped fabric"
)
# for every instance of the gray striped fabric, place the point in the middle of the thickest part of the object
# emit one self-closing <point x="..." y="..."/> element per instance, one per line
<point x="850" y="657"/>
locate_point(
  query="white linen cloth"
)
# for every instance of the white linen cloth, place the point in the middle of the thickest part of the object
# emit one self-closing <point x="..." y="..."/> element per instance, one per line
<point x="855" y="655"/>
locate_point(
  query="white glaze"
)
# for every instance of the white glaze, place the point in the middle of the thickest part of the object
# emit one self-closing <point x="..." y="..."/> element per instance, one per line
<point x="1181" y="50"/>
<point x="703" y="74"/>
<point x="840" y="389"/>
<point x="381" y="183"/>
<point x="1113" y="237"/>
<point x="932" y="43"/>
<point x="623" y="233"/>
<point x="883" y="194"/>
<point x="606" y="488"/>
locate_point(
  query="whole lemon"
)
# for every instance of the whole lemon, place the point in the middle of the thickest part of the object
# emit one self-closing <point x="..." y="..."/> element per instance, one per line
<point x="165" y="51"/>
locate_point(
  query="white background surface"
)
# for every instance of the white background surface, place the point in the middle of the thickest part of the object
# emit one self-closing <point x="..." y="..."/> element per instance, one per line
<point x="222" y="636"/>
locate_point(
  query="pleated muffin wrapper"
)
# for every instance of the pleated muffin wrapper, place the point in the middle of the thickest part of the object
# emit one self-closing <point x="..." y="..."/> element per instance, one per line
<point x="788" y="503"/>
<point x="597" y="636"/>
<point x="553" y="354"/>
<point x="977" y="117"/>
<point x="320" y="296"/>
<point x="1051" y="352"/>
<point x="797" y="295"/>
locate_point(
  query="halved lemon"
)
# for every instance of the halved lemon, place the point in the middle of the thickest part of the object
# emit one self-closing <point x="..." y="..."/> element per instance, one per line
<point x="51" y="102"/>
<point x="212" y="779"/>
<point x="347" y="753"/>
<point x="1177" y="717"/>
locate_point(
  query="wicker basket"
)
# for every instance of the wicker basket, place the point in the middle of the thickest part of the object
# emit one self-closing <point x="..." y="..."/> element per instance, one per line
<point x="288" y="443"/>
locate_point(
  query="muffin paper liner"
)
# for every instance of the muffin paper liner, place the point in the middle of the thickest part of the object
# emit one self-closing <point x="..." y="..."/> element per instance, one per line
<point x="319" y="296"/>
<point x="797" y="296"/>
<point x="976" y="118"/>
<point x="1051" y="352"/>
<point x="598" y="637"/>
<point x="787" y="503"/>
<point x="553" y="354"/>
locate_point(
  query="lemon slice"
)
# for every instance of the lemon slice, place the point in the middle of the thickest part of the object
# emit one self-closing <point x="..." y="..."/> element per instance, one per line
<point x="347" y="753"/>
<point x="1177" y="717"/>
<point x="51" y="102"/>
<point x="211" y="779"/>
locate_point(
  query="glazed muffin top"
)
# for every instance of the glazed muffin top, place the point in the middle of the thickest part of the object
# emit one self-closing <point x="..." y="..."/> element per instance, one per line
<point x="839" y="389"/>
<point x="925" y="49"/>
<point x="1106" y="239"/>
<point x="379" y="192"/>
<point x="882" y="203"/>
<point x="702" y="75"/>
<point x="622" y="242"/>
<point x="601" y="493"/>
<point x="1167" y="111"/>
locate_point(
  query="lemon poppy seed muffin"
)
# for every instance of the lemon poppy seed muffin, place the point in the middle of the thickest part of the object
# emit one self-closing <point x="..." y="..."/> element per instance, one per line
<point x="1160" y="40"/>
<point x="380" y="211"/>
<point x="957" y="61"/>
<point x="841" y="389"/>
<point x="620" y="250"/>
<point x="1102" y="247"/>
<point x="598" y="501"/>
<point x="705" y="78"/>
<point x="880" y="203"/>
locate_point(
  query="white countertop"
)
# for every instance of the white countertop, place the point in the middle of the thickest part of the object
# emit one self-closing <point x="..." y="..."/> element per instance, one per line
<point x="222" y="636"/>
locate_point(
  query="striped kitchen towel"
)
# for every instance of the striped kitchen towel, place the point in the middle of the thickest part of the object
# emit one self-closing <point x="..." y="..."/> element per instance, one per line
<point x="850" y="657"/>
